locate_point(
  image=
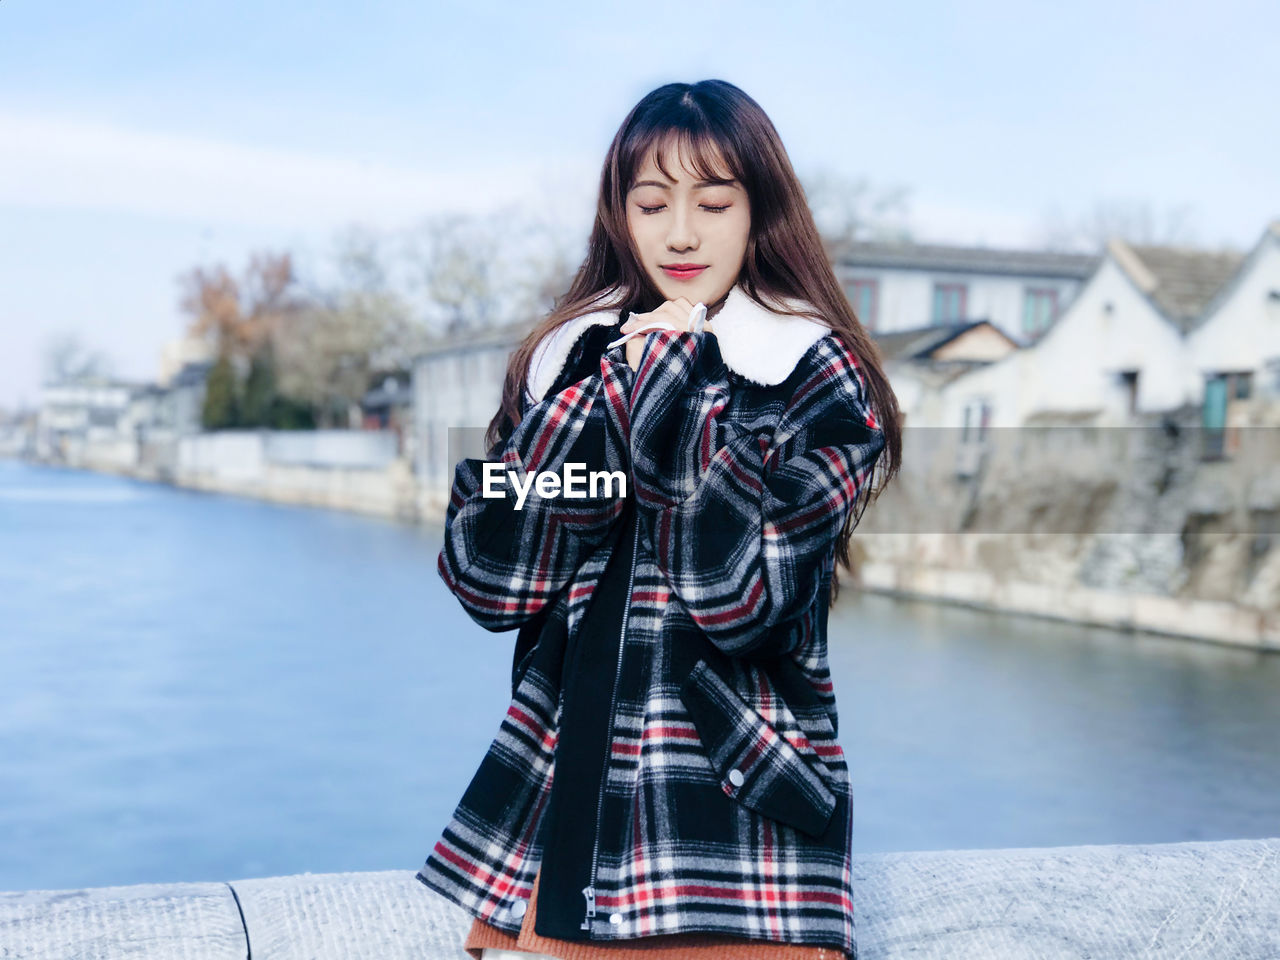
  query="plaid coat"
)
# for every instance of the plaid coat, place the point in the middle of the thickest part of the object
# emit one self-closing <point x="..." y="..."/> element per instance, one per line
<point x="669" y="756"/>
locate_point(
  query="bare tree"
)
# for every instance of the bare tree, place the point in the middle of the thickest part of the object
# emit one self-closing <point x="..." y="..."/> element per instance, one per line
<point x="1133" y="220"/>
<point x="848" y="210"/>
<point x="543" y="265"/>
<point x="327" y="351"/>
<point x="475" y="270"/>
<point x="368" y="289"/>
<point x="454" y="265"/>
<point x="67" y="359"/>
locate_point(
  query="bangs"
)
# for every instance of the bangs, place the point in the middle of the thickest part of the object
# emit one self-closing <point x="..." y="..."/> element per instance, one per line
<point x="699" y="152"/>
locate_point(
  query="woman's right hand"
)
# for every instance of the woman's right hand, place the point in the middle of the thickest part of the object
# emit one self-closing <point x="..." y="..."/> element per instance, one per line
<point x="646" y="323"/>
<point x="672" y="315"/>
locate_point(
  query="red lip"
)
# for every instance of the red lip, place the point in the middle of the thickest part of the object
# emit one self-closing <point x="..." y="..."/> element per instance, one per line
<point x="683" y="271"/>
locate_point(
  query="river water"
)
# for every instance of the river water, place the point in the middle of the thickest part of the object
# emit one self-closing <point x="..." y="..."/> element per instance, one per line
<point x="202" y="687"/>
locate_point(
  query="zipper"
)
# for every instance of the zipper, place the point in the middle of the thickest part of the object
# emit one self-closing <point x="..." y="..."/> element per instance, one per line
<point x="589" y="891"/>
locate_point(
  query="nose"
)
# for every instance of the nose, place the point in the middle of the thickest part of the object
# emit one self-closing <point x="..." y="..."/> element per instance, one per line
<point x="681" y="236"/>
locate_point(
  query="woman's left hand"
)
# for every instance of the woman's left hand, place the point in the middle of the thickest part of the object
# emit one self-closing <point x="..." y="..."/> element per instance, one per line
<point x="674" y="312"/>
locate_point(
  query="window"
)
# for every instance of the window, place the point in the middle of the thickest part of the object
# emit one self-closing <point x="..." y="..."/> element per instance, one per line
<point x="948" y="302"/>
<point x="862" y="295"/>
<point x="977" y="420"/>
<point x="1128" y="383"/>
<point x="1039" y="310"/>
<point x="971" y="452"/>
<point x="1271" y="382"/>
<point x="1243" y="385"/>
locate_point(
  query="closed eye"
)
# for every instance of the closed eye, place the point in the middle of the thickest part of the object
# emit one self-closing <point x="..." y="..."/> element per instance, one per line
<point x="707" y="207"/>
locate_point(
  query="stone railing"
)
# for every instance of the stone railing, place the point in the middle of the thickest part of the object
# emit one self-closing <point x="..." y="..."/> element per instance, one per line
<point x="1216" y="900"/>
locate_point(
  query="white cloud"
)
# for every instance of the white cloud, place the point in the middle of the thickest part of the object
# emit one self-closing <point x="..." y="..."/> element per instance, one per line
<point x="938" y="221"/>
<point x="85" y="164"/>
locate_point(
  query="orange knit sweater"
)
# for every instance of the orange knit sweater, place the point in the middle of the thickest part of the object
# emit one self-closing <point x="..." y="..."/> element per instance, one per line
<point x="673" y="946"/>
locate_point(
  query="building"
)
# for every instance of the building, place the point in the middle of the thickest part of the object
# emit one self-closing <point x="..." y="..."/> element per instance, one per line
<point x="921" y="361"/>
<point x="389" y="406"/>
<point x="895" y="287"/>
<point x="975" y="338"/>
<point x="1234" y="349"/>
<point x="457" y="383"/>
<point x="119" y="425"/>
<point x="76" y="415"/>
<point x="1155" y="329"/>
<point x="177" y="355"/>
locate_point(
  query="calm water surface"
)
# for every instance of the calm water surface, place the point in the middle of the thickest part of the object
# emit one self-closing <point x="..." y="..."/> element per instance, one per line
<point x="199" y="687"/>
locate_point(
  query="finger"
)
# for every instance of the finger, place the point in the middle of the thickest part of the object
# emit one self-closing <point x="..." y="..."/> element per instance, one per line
<point x="680" y="310"/>
<point x="643" y="328"/>
<point x="673" y="313"/>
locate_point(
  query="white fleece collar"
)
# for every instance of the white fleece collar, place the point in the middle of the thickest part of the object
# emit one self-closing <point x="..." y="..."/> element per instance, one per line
<point x="755" y="343"/>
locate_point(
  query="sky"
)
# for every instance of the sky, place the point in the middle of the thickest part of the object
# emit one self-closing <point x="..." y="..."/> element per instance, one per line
<point x="141" y="139"/>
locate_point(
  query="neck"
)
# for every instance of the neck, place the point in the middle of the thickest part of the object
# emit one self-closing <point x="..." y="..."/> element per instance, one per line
<point x="714" y="308"/>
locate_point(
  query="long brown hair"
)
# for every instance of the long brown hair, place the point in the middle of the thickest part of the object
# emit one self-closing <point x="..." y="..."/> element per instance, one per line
<point x="710" y="121"/>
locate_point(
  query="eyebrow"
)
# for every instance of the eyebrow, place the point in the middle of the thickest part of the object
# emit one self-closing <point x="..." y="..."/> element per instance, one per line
<point x="697" y="186"/>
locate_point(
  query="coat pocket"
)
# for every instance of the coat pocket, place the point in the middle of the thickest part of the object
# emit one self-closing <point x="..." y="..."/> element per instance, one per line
<point x="756" y="765"/>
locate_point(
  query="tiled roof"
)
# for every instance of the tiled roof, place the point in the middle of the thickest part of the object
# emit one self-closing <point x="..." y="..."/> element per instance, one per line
<point x="1179" y="280"/>
<point x="938" y="257"/>
<point x="919" y="342"/>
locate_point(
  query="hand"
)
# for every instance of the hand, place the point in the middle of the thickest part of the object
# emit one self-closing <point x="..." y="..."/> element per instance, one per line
<point x="674" y="312"/>
<point x="673" y="315"/>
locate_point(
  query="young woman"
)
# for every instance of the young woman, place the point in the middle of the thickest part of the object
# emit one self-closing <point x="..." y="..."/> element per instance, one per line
<point x="667" y="778"/>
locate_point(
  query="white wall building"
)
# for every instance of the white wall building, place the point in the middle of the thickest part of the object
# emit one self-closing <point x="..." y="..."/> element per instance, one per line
<point x="1122" y="348"/>
<point x="1234" y="352"/>
<point x="457" y="383"/>
<point x="897" y="287"/>
<point x="74" y="415"/>
<point x="116" y="425"/>
<point x="920" y="362"/>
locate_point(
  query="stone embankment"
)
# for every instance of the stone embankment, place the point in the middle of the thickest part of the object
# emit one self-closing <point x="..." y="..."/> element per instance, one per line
<point x="1185" y="900"/>
<point x="1128" y="527"/>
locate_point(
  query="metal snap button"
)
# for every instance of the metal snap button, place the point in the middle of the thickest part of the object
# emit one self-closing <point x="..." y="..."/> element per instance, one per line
<point x="735" y="777"/>
<point x="518" y="908"/>
<point x="615" y="918"/>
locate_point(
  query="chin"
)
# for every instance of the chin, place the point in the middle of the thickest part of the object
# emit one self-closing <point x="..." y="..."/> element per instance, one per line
<point x="693" y="292"/>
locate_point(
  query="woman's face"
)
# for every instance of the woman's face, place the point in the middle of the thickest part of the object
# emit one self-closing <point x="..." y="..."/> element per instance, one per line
<point x="701" y="226"/>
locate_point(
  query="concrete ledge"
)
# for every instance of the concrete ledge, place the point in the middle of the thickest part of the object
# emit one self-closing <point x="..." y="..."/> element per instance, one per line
<point x="197" y="921"/>
<point x="382" y="915"/>
<point x="1189" y="900"/>
<point x="1211" y="899"/>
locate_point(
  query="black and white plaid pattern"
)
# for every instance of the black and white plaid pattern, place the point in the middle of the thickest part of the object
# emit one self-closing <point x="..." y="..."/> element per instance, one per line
<point x="504" y="564"/>
<point x="727" y="795"/>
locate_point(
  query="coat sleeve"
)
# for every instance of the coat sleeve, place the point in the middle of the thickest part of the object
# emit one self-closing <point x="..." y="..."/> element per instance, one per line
<point x="505" y="560"/>
<point x="741" y="516"/>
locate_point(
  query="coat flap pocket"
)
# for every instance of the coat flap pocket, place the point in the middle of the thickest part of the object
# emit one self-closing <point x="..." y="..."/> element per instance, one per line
<point x="756" y="764"/>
